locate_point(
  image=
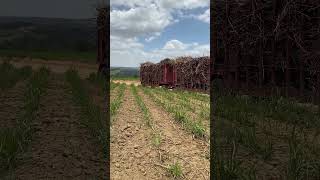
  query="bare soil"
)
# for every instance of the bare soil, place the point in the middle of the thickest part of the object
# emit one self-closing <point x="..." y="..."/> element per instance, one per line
<point x="127" y="82"/>
<point x="193" y="112"/>
<point x="61" y="147"/>
<point x="11" y="102"/>
<point x="179" y="145"/>
<point x="56" y="66"/>
<point x="132" y="154"/>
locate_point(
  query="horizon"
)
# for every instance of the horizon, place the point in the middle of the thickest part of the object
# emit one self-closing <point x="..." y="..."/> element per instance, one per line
<point x="157" y="30"/>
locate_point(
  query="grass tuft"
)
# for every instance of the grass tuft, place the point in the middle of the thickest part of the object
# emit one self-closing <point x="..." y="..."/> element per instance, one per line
<point x="92" y="116"/>
<point x="175" y="170"/>
<point x="14" y="141"/>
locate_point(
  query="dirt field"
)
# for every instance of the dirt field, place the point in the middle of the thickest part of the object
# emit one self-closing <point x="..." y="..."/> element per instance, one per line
<point x="55" y="66"/>
<point x="135" y="153"/>
<point x="127" y="82"/>
<point x="266" y="138"/>
<point x="61" y="147"/>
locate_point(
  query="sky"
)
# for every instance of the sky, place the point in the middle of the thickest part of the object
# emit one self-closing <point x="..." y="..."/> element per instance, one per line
<point x="141" y="30"/>
<point x="71" y="9"/>
<point x="151" y="30"/>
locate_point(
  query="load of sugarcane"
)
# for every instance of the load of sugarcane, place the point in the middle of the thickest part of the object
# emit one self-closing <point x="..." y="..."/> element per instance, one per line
<point x="278" y="39"/>
<point x="190" y="72"/>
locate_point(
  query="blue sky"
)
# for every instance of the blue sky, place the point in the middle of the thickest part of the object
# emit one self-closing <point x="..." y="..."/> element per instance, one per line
<point x="187" y="30"/>
<point x="151" y="30"/>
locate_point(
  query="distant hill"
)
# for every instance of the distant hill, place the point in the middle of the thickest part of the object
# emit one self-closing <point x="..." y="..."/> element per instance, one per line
<point x="124" y="72"/>
<point x="30" y="33"/>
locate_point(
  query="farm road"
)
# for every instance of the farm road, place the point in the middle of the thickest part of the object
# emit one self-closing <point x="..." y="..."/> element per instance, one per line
<point x="134" y="155"/>
<point x="127" y="82"/>
<point x="59" y="67"/>
<point x="179" y="145"/>
<point x="61" y="148"/>
<point x="130" y="149"/>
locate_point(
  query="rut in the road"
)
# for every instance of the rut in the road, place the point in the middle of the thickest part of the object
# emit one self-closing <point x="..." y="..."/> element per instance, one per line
<point x="61" y="148"/>
<point x="11" y="103"/>
<point x="131" y="150"/>
<point x="179" y="145"/>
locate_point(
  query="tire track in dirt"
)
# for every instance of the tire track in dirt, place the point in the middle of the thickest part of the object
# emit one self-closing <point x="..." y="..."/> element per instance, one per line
<point x="132" y="154"/>
<point x="11" y="103"/>
<point x="179" y="144"/>
<point x="61" y="148"/>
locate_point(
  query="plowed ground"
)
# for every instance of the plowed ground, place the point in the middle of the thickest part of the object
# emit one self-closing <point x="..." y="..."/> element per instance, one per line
<point x="134" y="154"/>
<point x="61" y="146"/>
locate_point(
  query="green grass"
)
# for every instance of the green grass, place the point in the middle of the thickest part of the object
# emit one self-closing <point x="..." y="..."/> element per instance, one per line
<point x="98" y="80"/>
<point x="86" y="57"/>
<point x="250" y="124"/>
<point x="301" y="164"/>
<point x="9" y="75"/>
<point x="248" y="110"/>
<point x="141" y="104"/>
<point x="226" y="168"/>
<point x="156" y="139"/>
<point x="116" y="103"/>
<point x="186" y="99"/>
<point x="178" y="111"/>
<point x="175" y="170"/>
<point x="14" y="141"/>
<point x="129" y="78"/>
<point x="193" y="95"/>
<point x="113" y="86"/>
<point x="91" y="115"/>
<point x="156" y="136"/>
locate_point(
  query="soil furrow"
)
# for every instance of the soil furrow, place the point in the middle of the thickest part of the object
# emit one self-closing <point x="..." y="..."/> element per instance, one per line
<point x="193" y="115"/>
<point x="132" y="154"/>
<point x="179" y="145"/>
<point x="61" y="147"/>
<point x="11" y="103"/>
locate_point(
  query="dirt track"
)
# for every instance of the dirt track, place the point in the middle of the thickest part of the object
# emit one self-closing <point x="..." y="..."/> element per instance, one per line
<point x="133" y="154"/>
<point x="61" y="147"/>
<point x="56" y="66"/>
<point x="130" y="149"/>
<point x="127" y="82"/>
<point x="178" y="144"/>
<point x="11" y="101"/>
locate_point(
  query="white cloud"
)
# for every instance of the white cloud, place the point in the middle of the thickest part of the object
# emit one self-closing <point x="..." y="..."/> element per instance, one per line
<point x="174" y="45"/>
<point x="146" y="19"/>
<point x="139" y="21"/>
<point x="175" y="48"/>
<point x="165" y="4"/>
<point x="149" y="39"/>
<point x="205" y="17"/>
<point x="183" y="4"/>
<point x="118" y="43"/>
<point x="132" y="53"/>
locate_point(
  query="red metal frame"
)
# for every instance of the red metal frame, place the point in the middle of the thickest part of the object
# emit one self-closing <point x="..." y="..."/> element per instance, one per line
<point x="168" y="73"/>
